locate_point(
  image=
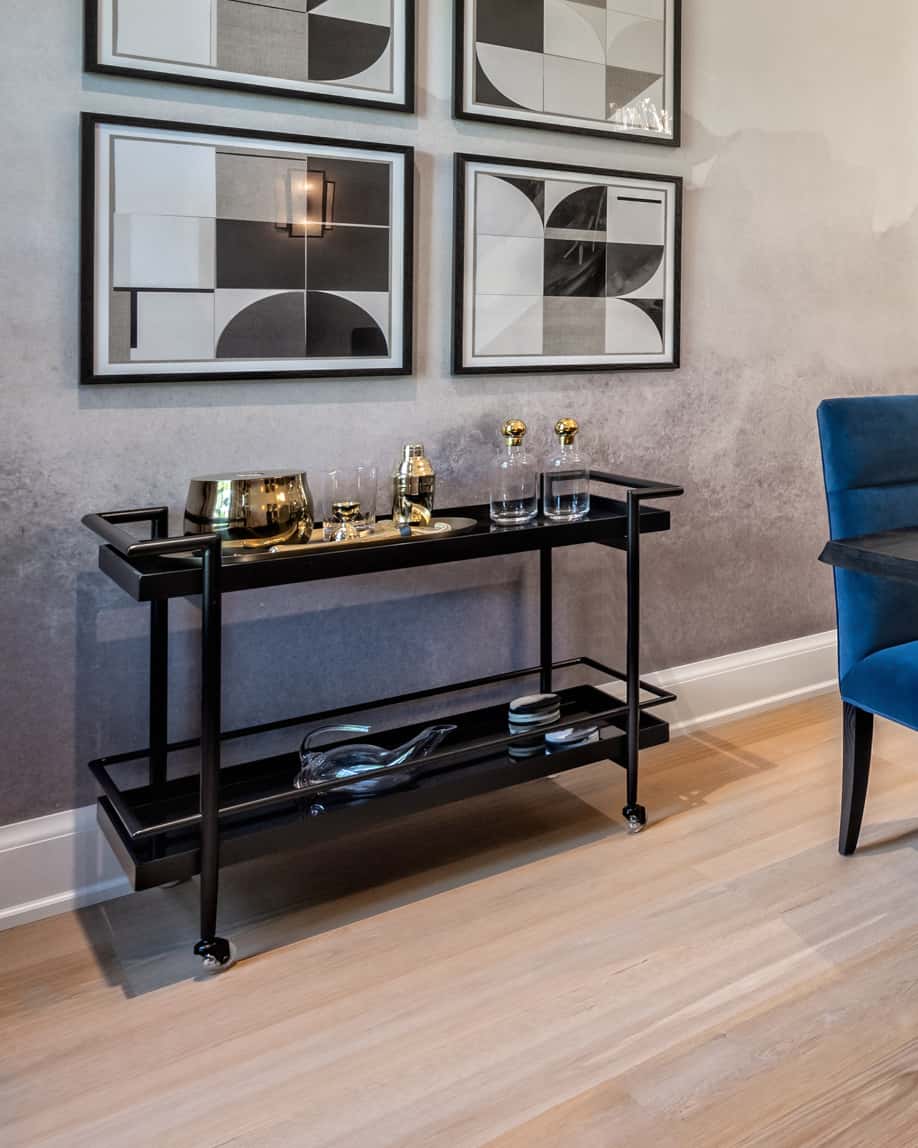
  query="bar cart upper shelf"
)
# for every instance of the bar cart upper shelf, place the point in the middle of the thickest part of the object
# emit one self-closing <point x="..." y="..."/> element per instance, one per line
<point x="173" y="828"/>
<point x="143" y="574"/>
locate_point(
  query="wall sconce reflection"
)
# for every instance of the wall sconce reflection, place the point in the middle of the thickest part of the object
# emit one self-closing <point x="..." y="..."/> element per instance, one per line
<point x="308" y="204"/>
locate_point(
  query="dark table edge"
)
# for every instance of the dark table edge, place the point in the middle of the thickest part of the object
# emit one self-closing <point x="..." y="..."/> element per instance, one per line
<point x="851" y="554"/>
<point x="163" y="581"/>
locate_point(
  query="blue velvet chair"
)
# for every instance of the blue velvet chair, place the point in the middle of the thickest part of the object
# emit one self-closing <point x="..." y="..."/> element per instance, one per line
<point x="870" y="464"/>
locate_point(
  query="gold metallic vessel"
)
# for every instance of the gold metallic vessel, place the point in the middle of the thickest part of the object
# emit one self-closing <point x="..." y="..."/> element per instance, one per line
<point x="251" y="511"/>
<point x="414" y="487"/>
<point x="567" y="430"/>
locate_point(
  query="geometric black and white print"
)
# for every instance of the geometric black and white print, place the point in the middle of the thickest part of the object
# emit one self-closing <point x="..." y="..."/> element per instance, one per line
<point x="604" y="66"/>
<point x="565" y="269"/>
<point x="218" y="255"/>
<point x="352" y="50"/>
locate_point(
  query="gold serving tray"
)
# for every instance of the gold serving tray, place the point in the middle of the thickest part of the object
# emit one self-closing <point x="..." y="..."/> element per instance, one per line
<point x="384" y="531"/>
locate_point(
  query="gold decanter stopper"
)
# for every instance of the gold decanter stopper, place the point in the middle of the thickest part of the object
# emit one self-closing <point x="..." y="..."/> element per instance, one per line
<point x="566" y="430"/>
<point x="513" y="431"/>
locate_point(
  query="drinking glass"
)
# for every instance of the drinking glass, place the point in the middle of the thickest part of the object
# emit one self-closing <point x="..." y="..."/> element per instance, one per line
<point x="350" y="501"/>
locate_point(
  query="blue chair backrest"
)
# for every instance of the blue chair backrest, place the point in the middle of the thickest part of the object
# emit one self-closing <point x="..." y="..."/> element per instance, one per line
<point x="870" y="463"/>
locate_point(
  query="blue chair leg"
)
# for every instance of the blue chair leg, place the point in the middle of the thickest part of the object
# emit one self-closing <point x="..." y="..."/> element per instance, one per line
<point x="858" y="735"/>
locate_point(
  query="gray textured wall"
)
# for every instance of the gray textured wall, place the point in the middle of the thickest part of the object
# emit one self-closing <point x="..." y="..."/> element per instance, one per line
<point x="800" y="282"/>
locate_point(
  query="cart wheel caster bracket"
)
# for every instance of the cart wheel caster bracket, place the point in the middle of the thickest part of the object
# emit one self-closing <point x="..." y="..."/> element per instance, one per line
<point x="217" y="955"/>
<point x="636" y="817"/>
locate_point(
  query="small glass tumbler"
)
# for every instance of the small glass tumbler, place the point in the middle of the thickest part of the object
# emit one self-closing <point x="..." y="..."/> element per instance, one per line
<point x="350" y="502"/>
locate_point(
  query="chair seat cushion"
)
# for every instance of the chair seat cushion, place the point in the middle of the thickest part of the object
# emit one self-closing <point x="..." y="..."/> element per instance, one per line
<point x="886" y="684"/>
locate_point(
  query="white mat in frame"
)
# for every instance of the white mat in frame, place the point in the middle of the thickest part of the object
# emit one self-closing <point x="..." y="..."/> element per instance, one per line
<point x="603" y="67"/>
<point x="350" y="51"/>
<point x="565" y="268"/>
<point x="353" y="246"/>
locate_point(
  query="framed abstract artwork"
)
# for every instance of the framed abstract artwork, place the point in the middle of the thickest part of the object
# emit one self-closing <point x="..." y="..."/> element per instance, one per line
<point x="350" y="51"/>
<point x="210" y="253"/>
<point x="605" y="67"/>
<point x="561" y="268"/>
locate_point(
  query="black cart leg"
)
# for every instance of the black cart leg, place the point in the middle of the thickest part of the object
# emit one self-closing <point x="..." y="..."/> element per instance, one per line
<point x="159" y="702"/>
<point x="159" y="692"/>
<point x="634" y="814"/>
<point x="159" y="673"/>
<point x="858" y="737"/>
<point x="546" y="615"/>
<point x="215" y="951"/>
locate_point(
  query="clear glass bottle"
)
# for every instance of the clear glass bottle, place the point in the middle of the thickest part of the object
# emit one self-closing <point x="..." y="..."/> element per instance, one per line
<point x="567" y="477"/>
<point x="514" y="480"/>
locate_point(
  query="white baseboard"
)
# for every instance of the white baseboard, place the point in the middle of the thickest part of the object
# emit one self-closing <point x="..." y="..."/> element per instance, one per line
<point x="61" y="862"/>
<point x="53" y="864"/>
<point x="750" y="682"/>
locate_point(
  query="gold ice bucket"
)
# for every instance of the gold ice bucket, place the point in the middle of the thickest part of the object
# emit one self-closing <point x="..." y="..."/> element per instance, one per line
<point x="251" y="511"/>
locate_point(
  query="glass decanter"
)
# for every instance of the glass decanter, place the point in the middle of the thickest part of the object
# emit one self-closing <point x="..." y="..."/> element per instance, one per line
<point x="514" y="480"/>
<point x="567" y="477"/>
<point x="372" y="768"/>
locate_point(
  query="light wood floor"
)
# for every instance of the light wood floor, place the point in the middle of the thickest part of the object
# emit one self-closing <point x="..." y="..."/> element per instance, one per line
<point x="516" y="972"/>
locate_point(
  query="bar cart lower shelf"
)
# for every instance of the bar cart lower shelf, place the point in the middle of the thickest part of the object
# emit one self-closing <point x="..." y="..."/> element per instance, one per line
<point x="261" y="811"/>
<point x="174" y="828"/>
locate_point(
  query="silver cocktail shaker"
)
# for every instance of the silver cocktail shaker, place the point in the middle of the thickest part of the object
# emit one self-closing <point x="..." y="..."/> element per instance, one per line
<point x="413" y="487"/>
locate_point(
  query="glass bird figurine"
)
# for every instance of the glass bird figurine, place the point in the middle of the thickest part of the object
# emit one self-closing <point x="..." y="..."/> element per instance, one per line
<point x="370" y="769"/>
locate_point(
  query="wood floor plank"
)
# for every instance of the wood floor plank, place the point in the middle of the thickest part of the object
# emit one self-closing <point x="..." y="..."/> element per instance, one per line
<point x="514" y="972"/>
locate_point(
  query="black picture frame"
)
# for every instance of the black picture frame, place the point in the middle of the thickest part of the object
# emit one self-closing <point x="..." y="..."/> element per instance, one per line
<point x="460" y="111"/>
<point x="93" y="63"/>
<point x="89" y="121"/>
<point x="460" y="269"/>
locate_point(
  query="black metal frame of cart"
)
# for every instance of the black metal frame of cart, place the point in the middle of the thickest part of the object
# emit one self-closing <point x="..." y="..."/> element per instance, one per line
<point x="172" y="829"/>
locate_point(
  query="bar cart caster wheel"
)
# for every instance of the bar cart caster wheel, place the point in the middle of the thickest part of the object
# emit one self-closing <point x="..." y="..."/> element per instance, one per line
<point x="636" y="817"/>
<point x="217" y="955"/>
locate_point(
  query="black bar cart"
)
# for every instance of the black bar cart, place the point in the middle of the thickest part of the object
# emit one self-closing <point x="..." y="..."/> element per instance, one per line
<point x="174" y="828"/>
